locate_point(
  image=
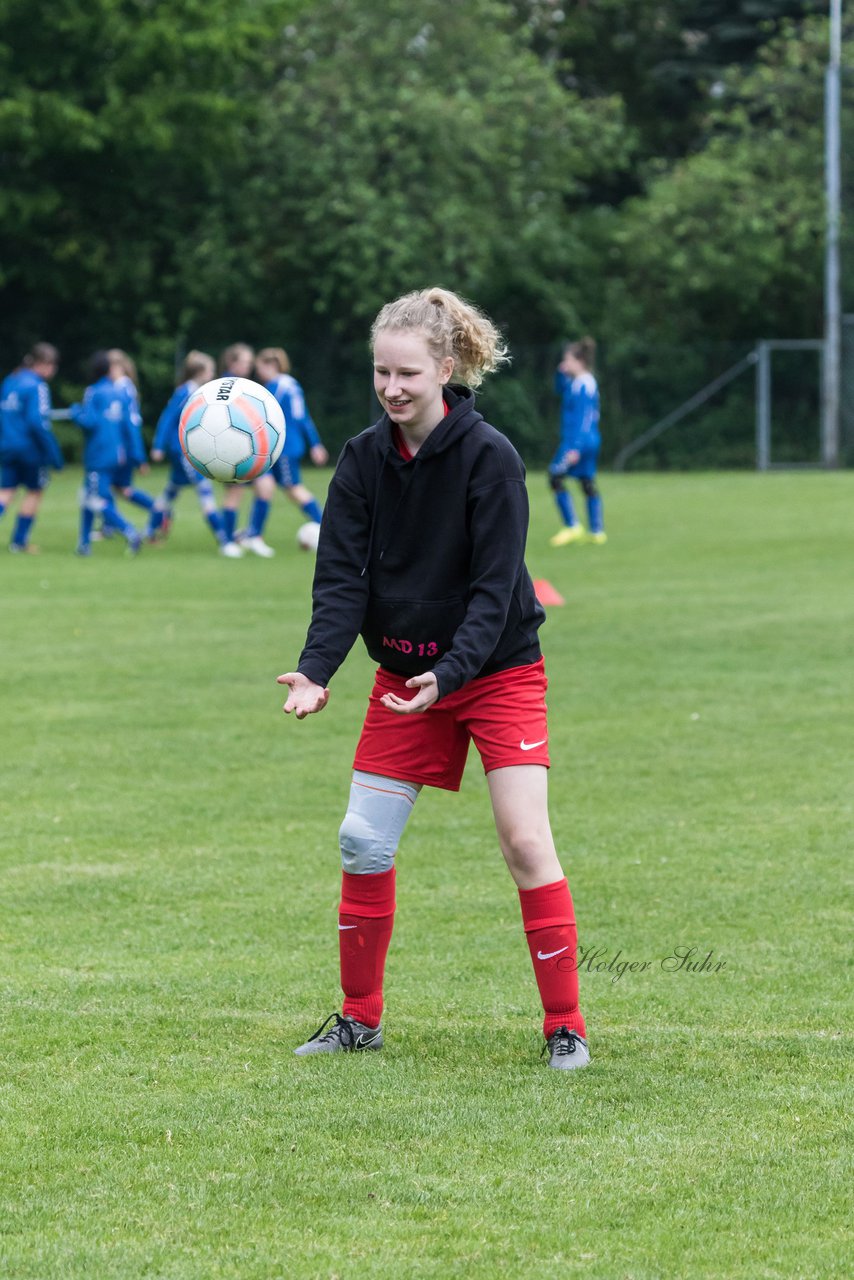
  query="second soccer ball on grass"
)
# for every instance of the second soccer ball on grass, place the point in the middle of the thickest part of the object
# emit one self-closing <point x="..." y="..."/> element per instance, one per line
<point x="308" y="534"/>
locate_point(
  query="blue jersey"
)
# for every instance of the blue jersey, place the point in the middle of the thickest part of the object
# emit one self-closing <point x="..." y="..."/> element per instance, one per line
<point x="26" y="436"/>
<point x="579" y="412"/>
<point x="133" y="441"/>
<point x="105" y="416"/>
<point x="166" y="433"/>
<point x="300" y="432"/>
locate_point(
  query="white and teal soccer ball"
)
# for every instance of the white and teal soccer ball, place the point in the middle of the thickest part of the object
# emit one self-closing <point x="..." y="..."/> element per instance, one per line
<point x="232" y="429"/>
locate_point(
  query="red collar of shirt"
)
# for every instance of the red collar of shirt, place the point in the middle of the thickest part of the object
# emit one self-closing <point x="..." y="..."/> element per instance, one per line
<point x="399" y="442"/>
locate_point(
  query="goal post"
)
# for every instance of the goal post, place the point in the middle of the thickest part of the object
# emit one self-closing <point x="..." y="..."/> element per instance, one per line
<point x="764" y="397"/>
<point x="800" y="391"/>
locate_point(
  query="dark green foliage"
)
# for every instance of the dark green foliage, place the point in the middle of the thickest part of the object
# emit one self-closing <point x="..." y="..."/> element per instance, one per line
<point x="662" y="57"/>
<point x="411" y="143"/>
<point x="199" y="172"/>
<point x="117" y="140"/>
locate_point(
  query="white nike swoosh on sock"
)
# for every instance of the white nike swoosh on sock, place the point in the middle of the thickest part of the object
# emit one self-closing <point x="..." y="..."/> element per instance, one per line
<point x="342" y="927"/>
<point x="548" y="955"/>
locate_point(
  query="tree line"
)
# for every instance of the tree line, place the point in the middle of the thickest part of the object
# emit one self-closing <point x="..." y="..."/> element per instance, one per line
<point x="194" y="172"/>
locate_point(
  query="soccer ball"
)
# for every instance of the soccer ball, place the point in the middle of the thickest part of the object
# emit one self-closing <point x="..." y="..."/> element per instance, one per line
<point x="232" y="429"/>
<point x="308" y="534"/>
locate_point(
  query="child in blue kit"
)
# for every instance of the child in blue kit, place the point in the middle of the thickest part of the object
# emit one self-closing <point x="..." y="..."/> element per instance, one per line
<point x="198" y="368"/>
<point x="273" y="370"/>
<point x="105" y="418"/>
<point x="28" y="447"/>
<point x="237" y="361"/>
<point x="578" y="451"/>
<point x="134" y="443"/>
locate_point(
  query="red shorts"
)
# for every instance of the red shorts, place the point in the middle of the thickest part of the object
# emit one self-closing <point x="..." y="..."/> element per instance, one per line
<point x="504" y="713"/>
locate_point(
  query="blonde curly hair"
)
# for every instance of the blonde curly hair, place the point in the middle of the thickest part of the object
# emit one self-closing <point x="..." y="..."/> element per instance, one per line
<point x="452" y="327"/>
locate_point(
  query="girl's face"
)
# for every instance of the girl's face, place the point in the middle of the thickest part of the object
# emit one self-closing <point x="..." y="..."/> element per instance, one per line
<point x="408" y="379"/>
<point x="571" y="365"/>
<point x="241" y="364"/>
<point x="266" y="370"/>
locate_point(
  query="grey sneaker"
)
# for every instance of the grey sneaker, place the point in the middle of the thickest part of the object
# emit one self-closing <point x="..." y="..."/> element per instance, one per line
<point x="567" y="1050"/>
<point x="347" y="1036"/>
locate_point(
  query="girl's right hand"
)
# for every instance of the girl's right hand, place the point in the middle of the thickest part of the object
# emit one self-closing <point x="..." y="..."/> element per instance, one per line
<point x="427" y="692"/>
<point x="304" y="697"/>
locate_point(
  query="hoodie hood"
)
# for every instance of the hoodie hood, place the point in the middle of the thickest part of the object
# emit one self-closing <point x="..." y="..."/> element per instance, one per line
<point x="460" y="418"/>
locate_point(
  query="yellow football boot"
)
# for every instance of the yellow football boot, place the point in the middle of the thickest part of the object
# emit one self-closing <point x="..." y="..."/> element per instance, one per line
<point x="572" y="533"/>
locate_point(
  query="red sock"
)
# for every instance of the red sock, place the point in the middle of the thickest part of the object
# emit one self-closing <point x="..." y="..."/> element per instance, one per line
<point x="549" y="921"/>
<point x="365" y="922"/>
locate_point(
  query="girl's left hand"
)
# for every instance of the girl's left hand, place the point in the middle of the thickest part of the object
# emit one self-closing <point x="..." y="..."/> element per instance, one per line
<point x="428" y="693"/>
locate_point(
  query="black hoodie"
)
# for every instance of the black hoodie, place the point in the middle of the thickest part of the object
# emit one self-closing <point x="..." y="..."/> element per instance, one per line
<point x="425" y="558"/>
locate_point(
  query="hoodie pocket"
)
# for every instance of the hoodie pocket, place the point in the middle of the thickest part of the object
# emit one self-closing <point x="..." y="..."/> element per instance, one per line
<point x="411" y="636"/>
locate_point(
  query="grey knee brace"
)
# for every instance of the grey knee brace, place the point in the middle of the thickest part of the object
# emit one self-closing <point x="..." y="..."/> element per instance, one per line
<point x="374" y="822"/>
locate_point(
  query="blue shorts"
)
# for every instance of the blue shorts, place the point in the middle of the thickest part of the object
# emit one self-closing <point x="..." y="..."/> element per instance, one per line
<point x="183" y="473"/>
<point x="97" y="488"/>
<point x="24" y="475"/>
<point x="583" y="469"/>
<point x="123" y="475"/>
<point x="286" y="472"/>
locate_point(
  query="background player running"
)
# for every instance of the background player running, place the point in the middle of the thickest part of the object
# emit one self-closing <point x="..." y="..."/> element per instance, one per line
<point x="273" y="369"/>
<point x="105" y="417"/>
<point x="28" y="447"/>
<point x="134" y="443"/>
<point x="238" y="361"/>
<point x="578" y="451"/>
<point x="197" y="369"/>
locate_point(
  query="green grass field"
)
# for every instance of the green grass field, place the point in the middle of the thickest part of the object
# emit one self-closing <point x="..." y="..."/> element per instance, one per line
<point x="170" y="875"/>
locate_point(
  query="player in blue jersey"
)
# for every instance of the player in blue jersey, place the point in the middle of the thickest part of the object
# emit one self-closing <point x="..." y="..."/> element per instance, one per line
<point x="237" y="361"/>
<point x="578" y="451"/>
<point x="28" y="447"/>
<point x="273" y="370"/>
<point x="197" y="369"/>
<point x="105" y="418"/>
<point x="134" y="443"/>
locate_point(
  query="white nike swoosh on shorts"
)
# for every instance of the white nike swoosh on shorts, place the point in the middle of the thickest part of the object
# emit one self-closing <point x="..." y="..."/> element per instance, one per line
<point x="529" y="746"/>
